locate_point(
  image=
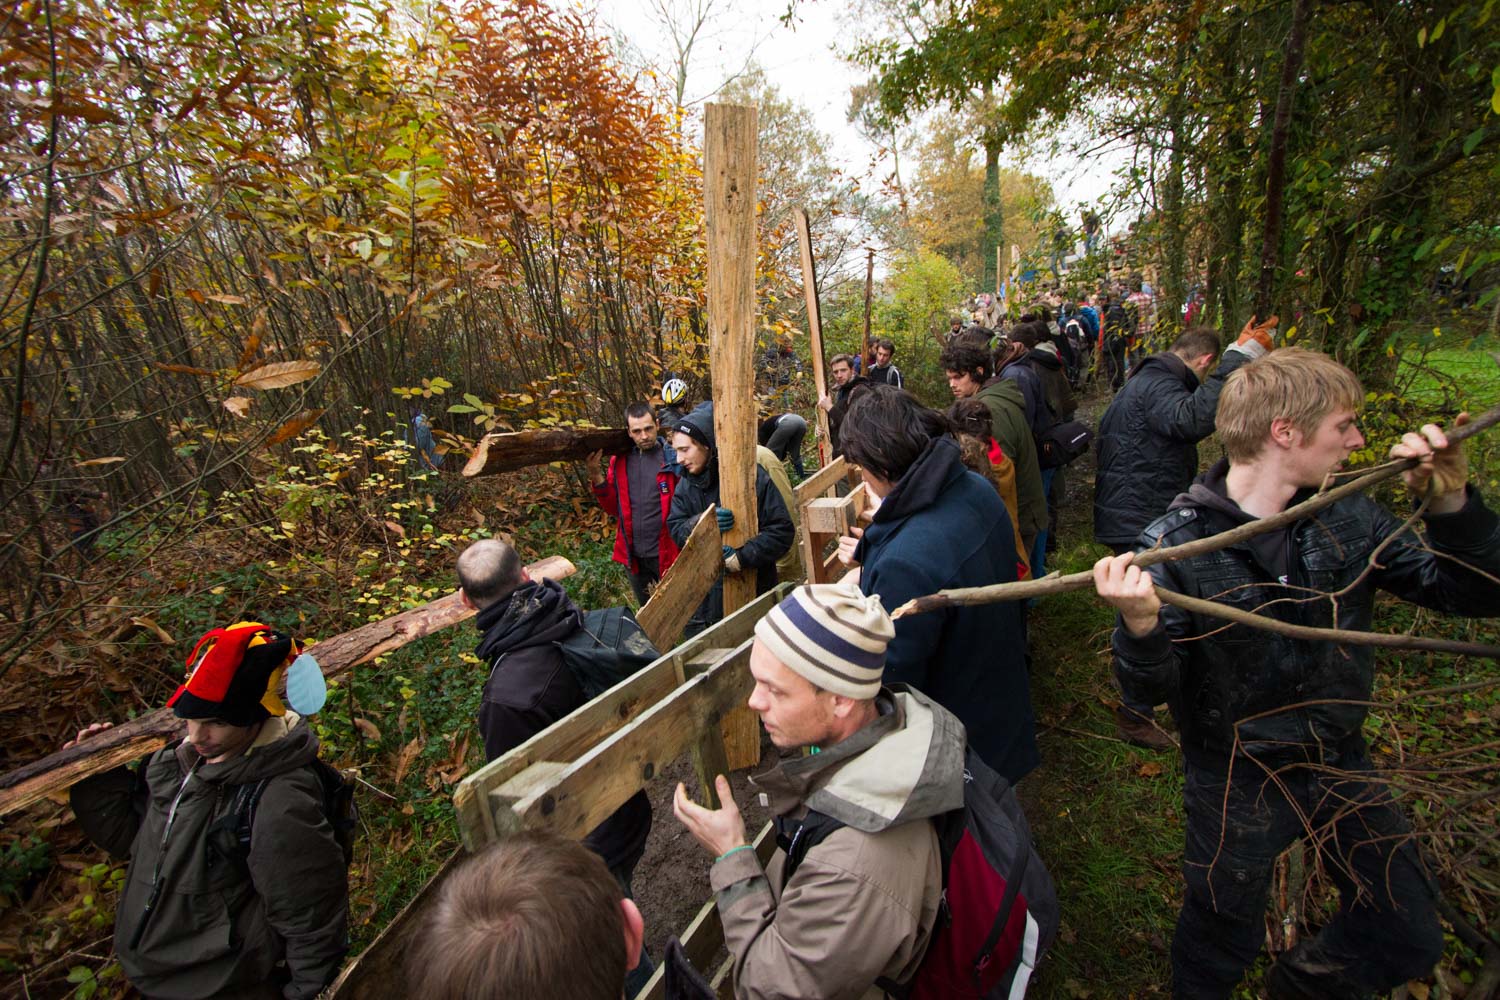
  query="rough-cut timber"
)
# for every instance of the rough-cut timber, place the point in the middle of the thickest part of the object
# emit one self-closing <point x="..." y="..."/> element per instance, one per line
<point x="138" y="737"/>
<point x="684" y="586"/>
<point x="729" y="175"/>
<point x="496" y="453"/>
<point x="814" y="331"/>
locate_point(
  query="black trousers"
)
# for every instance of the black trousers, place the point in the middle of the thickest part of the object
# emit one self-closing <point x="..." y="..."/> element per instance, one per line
<point x="1386" y="930"/>
<point x="650" y="572"/>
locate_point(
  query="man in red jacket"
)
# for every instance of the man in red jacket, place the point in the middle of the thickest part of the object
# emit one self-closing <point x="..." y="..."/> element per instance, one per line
<point x="637" y="492"/>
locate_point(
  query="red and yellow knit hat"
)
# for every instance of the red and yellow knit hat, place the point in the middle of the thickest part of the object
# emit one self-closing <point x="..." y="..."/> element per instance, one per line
<point x="237" y="676"/>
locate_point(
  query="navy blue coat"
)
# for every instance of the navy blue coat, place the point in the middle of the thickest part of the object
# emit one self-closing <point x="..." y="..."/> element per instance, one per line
<point x="943" y="526"/>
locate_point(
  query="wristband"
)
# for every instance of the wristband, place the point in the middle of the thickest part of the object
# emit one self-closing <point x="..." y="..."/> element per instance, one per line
<point x="732" y="850"/>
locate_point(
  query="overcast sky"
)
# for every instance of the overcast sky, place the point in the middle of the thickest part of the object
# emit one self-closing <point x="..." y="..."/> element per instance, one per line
<point x="802" y="61"/>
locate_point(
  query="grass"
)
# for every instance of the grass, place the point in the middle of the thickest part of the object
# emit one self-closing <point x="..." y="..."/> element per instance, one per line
<point x="1445" y="378"/>
<point x="1106" y="815"/>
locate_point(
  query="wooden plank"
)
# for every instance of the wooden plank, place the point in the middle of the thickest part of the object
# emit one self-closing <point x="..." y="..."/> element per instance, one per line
<point x="600" y="781"/>
<point x="829" y="515"/>
<point x="814" y="330"/>
<point x="820" y="482"/>
<point x="496" y="453"/>
<point x="155" y="729"/>
<point x="685" y="584"/>
<point x="729" y="210"/>
<point x="704" y="935"/>
<point x="729" y="176"/>
<point x="380" y="970"/>
<point x="570" y="737"/>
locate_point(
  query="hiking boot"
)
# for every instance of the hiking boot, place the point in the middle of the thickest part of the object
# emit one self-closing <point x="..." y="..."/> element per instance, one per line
<point x="1140" y="731"/>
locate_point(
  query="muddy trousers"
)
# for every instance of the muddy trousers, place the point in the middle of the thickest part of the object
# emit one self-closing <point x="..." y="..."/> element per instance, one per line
<point x="1386" y="930"/>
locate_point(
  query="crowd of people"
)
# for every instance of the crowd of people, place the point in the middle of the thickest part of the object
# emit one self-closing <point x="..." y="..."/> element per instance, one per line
<point x="885" y="710"/>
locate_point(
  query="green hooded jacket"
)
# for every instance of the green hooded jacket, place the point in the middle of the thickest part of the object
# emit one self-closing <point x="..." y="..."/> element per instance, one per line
<point x="219" y="924"/>
<point x="1008" y="423"/>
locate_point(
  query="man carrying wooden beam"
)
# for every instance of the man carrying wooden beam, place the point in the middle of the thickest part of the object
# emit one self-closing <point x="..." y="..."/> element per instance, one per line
<point x="237" y="884"/>
<point x="522" y="624"/>
<point x="637" y="492"/>
<point x="699" y="490"/>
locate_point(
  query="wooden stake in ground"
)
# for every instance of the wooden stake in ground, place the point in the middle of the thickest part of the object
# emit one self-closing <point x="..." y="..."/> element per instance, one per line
<point x="814" y="333"/>
<point x="496" y="453"/>
<point x="729" y="174"/>
<point x="134" y="739"/>
<point x="869" y="355"/>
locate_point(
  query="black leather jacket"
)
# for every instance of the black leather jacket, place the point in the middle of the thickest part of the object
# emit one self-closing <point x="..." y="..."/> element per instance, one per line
<point x="1237" y="674"/>
<point x="1147" y="446"/>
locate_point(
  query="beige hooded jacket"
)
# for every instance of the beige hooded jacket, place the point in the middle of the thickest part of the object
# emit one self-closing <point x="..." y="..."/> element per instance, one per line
<point x="862" y="904"/>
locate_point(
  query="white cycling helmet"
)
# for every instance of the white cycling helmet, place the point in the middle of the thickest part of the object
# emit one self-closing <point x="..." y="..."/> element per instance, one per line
<point x="673" y="390"/>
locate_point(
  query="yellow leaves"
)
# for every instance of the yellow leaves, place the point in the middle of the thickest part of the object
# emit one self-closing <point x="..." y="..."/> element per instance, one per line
<point x="183" y="369"/>
<point x="367" y="729"/>
<point x="1150" y="769"/>
<point x="294" y="426"/>
<point x="238" y="405"/>
<point x="279" y="375"/>
<point x="101" y="461"/>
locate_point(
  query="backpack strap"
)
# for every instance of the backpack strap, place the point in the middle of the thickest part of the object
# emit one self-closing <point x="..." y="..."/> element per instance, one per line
<point x="246" y="800"/>
<point x="797" y="838"/>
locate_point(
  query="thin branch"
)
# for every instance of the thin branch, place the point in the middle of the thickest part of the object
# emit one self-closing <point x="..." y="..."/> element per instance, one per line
<point x="1059" y="584"/>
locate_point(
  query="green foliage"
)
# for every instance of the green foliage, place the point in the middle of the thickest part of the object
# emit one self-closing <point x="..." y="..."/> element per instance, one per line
<point x="22" y="859"/>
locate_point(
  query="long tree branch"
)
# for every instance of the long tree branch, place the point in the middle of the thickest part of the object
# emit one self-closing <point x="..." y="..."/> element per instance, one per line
<point x="1056" y="584"/>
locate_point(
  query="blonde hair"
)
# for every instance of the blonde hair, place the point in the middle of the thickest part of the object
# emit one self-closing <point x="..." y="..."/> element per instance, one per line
<point x="1292" y="384"/>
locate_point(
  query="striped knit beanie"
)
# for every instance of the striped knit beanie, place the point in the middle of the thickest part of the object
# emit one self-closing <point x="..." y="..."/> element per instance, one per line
<point x="832" y="635"/>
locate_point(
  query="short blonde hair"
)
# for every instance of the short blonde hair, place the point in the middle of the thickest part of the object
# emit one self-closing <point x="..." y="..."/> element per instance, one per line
<point x="1288" y="384"/>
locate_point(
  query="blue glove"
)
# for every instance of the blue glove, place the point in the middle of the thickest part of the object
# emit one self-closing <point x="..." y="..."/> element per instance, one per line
<point x="726" y="518"/>
<point x="728" y="551"/>
<point x="731" y="560"/>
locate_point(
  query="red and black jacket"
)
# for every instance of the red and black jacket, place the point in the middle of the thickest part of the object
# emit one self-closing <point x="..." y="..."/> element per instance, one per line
<point x="614" y="496"/>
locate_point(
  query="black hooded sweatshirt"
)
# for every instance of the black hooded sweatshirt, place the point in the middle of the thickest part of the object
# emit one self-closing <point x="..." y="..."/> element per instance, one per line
<point x="697" y="493"/>
<point x="530" y="687"/>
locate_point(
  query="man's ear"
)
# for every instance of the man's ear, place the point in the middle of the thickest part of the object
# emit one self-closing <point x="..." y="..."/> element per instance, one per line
<point x="635" y="932"/>
<point x="525" y="576"/>
<point x="1283" y="433"/>
<point x="463" y="598"/>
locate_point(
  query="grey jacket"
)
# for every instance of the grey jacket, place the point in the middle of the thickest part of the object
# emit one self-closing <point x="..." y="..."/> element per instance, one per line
<point x="863" y="903"/>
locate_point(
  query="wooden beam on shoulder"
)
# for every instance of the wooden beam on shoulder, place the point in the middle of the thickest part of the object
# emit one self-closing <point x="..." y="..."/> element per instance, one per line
<point x="150" y="732"/>
<point x="496" y="453"/>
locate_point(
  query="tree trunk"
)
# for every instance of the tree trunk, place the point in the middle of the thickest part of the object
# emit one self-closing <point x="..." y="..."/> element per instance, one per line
<point x="1270" y="246"/>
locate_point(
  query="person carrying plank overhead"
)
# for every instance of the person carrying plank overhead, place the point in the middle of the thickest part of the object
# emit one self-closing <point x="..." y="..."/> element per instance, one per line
<point x="524" y="626"/>
<point x="698" y="455"/>
<point x="237" y="885"/>
<point x="1272" y="726"/>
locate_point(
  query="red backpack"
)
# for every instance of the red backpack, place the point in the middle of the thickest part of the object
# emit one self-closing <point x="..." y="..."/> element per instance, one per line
<point x="999" y="911"/>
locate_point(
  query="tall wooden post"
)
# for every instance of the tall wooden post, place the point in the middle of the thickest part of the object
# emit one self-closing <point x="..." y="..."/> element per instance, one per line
<point x="729" y="175"/>
<point x="814" y="332"/>
<point x="869" y="291"/>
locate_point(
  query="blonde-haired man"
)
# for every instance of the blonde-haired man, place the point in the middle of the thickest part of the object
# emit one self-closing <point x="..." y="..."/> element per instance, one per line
<point x="1271" y="725"/>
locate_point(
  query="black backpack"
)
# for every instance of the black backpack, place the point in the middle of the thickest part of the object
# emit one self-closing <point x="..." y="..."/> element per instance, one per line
<point x="607" y="648"/>
<point x="339" y="808"/>
<point x="1062" y="443"/>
